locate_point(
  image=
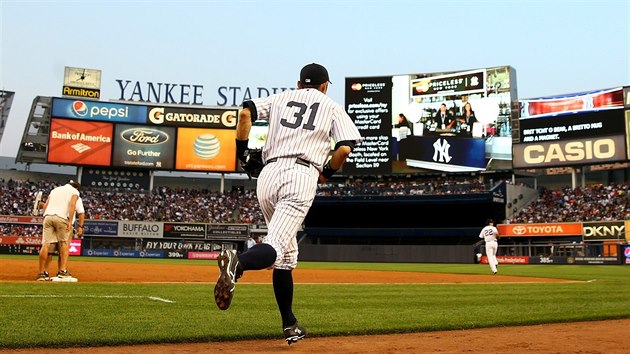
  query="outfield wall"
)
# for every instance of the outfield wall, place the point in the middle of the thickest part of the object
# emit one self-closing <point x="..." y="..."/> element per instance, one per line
<point x="387" y="253"/>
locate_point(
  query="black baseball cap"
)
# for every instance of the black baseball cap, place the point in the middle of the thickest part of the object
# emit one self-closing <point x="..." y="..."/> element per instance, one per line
<point x="314" y="74"/>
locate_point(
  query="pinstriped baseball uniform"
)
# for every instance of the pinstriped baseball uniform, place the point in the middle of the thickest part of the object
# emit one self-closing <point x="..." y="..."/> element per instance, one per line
<point x="490" y="235"/>
<point x="301" y="125"/>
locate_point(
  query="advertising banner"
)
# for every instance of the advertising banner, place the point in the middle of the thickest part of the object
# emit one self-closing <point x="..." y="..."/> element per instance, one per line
<point x="184" y="230"/>
<point x="227" y="232"/>
<point x="211" y="150"/>
<point x="546" y="229"/>
<point x="98" y="111"/>
<point x="98" y="252"/>
<point x="126" y="253"/>
<point x="203" y="255"/>
<point x="100" y="228"/>
<point x="16" y="219"/>
<point x="77" y="142"/>
<point x="20" y="240"/>
<point x="138" y="146"/>
<point x="571" y="103"/>
<point x="368" y="103"/>
<point x="604" y="231"/>
<point x="594" y="260"/>
<point x="219" y="118"/>
<point x="507" y="260"/>
<point x="75" y="247"/>
<point x="570" y="152"/>
<point x="573" y="126"/>
<point x="140" y="229"/>
<point x="458" y="83"/>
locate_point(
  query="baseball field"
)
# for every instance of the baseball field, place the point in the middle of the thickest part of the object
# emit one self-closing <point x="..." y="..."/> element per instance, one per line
<point x="166" y="306"/>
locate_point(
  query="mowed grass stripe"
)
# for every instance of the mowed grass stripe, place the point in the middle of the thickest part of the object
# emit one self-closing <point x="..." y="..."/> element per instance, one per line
<point x="326" y="309"/>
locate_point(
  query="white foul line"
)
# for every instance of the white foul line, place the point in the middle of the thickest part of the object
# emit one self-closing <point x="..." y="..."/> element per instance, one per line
<point x="161" y="299"/>
<point x="154" y="298"/>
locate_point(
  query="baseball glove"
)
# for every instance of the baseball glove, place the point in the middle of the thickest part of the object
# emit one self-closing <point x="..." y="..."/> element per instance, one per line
<point x="253" y="163"/>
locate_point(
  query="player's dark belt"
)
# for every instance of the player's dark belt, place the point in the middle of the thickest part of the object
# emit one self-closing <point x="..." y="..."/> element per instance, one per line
<point x="298" y="160"/>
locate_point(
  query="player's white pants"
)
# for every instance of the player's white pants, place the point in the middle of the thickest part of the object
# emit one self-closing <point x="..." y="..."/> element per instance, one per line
<point x="491" y="252"/>
<point x="285" y="191"/>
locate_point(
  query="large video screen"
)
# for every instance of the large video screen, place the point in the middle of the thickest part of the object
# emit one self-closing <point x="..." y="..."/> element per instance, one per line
<point x="571" y="130"/>
<point x="450" y="122"/>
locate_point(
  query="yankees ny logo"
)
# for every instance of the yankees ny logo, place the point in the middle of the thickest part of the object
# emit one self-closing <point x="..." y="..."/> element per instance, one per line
<point x="441" y="147"/>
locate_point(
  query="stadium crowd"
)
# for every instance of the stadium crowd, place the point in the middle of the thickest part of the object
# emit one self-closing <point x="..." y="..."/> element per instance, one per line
<point x="592" y="203"/>
<point x="179" y="204"/>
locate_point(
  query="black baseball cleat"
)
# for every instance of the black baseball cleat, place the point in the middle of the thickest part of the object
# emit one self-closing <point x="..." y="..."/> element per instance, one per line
<point x="224" y="289"/>
<point x="294" y="333"/>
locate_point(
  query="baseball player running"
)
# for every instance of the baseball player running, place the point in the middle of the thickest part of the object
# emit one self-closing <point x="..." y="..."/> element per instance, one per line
<point x="302" y="123"/>
<point x="491" y="236"/>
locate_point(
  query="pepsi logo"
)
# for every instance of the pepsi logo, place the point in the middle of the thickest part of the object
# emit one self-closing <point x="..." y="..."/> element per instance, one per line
<point x="79" y="108"/>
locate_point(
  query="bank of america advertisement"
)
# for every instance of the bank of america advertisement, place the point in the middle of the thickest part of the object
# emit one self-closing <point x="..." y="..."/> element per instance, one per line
<point x="137" y="146"/>
<point x="75" y="142"/>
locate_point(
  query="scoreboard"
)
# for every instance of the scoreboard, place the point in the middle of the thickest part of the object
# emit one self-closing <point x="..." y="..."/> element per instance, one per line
<point x="130" y="136"/>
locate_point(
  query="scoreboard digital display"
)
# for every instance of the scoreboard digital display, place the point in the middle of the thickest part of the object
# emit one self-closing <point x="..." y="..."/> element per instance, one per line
<point x="130" y="136"/>
<point x="571" y="130"/>
<point x="451" y="121"/>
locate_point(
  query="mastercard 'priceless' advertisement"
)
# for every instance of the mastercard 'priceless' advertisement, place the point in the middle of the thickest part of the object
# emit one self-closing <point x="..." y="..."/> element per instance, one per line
<point x="80" y="142"/>
<point x="211" y="150"/>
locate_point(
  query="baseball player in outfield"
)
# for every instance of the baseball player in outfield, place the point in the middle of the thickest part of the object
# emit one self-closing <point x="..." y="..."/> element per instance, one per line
<point x="302" y="123"/>
<point x="491" y="236"/>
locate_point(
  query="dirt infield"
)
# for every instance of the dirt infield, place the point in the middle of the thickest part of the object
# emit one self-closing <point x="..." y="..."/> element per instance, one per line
<point x="579" y="337"/>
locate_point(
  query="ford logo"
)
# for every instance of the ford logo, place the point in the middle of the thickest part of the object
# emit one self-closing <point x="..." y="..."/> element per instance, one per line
<point x="144" y="136"/>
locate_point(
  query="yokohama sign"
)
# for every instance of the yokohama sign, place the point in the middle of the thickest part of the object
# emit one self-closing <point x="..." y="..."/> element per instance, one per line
<point x="546" y="229"/>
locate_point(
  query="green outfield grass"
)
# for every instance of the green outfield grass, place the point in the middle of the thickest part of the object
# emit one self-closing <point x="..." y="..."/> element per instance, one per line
<point x="38" y="314"/>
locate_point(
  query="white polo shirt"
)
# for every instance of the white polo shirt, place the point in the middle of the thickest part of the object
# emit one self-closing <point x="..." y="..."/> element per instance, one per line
<point x="59" y="201"/>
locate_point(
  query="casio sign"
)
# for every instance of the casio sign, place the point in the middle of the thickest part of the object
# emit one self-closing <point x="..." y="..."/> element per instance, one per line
<point x="144" y="136"/>
<point x="570" y="151"/>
